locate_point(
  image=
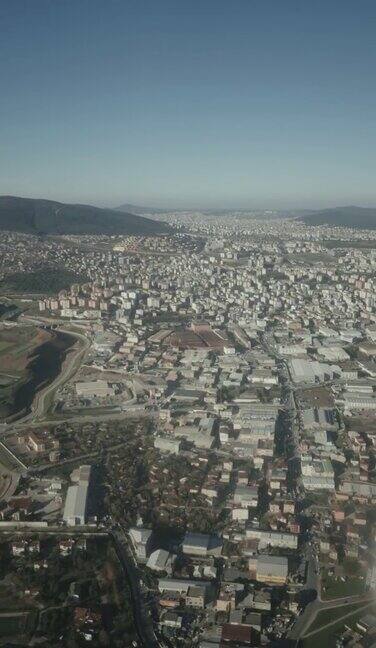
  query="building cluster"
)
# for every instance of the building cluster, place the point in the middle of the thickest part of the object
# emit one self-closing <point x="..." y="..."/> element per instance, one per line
<point x="250" y="345"/>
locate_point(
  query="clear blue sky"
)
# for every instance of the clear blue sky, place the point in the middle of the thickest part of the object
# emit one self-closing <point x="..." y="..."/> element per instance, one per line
<point x="260" y="103"/>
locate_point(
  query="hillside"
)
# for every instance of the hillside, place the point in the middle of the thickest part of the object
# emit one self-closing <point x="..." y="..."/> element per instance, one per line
<point x="360" y="217"/>
<point x="38" y="216"/>
<point x="46" y="280"/>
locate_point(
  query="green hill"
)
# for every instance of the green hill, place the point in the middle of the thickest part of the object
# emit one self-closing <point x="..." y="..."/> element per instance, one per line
<point x="360" y="217"/>
<point x="39" y="216"/>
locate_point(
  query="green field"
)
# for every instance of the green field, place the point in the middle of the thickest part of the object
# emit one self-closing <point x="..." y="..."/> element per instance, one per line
<point x="365" y="245"/>
<point x="326" y="638"/>
<point x="5" y="345"/>
<point x="335" y="588"/>
<point x="312" y="258"/>
<point x="17" y="623"/>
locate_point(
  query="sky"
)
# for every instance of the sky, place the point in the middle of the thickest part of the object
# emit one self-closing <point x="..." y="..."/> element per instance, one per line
<point x="189" y="103"/>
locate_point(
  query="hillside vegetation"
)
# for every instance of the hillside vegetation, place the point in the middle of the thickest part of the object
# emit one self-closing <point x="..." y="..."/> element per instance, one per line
<point x="39" y="216"/>
<point x="361" y="217"/>
<point x="41" y="281"/>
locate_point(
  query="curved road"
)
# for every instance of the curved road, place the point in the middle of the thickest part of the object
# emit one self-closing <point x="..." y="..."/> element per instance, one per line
<point x="70" y="366"/>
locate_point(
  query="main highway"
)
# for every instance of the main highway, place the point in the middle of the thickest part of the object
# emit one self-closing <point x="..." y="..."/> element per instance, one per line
<point x="71" y="364"/>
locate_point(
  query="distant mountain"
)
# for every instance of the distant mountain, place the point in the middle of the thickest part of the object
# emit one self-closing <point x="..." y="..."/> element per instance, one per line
<point x="39" y="216"/>
<point x="137" y="209"/>
<point x="223" y="211"/>
<point x="360" y="217"/>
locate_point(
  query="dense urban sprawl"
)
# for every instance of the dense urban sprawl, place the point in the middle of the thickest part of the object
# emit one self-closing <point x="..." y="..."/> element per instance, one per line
<point x="214" y="424"/>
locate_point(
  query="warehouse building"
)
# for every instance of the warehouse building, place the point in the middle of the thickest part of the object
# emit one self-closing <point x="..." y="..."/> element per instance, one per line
<point x="165" y="444"/>
<point x="318" y="482"/>
<point x="272" y="538"/>
<point x="76" y="499"/>
<point x="305" y="371"/>
<point x="95" y="388"/>
<point x="272" y="569"/>
<point x="333" y="353"/>
<point x="364" y="490"/>
<point x="200" y="544"/>
<point x="352" y="401"/>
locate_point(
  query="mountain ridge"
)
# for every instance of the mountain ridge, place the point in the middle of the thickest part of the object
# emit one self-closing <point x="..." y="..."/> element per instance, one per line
<point x="347" y="216"/>
<point x="43" y="216"/>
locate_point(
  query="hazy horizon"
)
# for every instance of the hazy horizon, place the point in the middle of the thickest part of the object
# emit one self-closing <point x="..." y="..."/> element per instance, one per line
<point x="196" y="104"/>
<point x="192" y="207"/>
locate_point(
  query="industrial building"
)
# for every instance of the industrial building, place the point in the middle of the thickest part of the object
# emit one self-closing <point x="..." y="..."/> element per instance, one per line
<point x="76" y="499"/>
<point x="305" y="371"/>
<point x="351" y="401"/>
<point x="95" y="388"/>
<point x="200" y="544"/>
<point x="272" y="569"/>
<point x="165" y="444"/>
<point x="317" y="474"/>
<point x="273" y="538"/>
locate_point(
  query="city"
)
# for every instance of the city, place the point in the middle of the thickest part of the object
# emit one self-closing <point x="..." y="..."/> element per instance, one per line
<point x="188" y="324"/>
<point x="208" y="436"/>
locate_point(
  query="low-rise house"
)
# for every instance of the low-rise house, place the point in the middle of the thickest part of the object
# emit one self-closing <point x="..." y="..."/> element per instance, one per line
<point x="18" y="547"/>
<point x="172" y="620"/>
<point x="195" y="597"/>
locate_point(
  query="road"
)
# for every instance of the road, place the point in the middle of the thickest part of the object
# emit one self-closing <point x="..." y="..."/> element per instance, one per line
<point x="25" y="529"/>
<point x="141" y="614"/>
<point x="338" y="619"/>
<point x="134" y="412"/>
<point x="71" y="365"/>
<point x="313" y="578"/>
<point x="131" y="411"/>
<point x="311" y="611"/>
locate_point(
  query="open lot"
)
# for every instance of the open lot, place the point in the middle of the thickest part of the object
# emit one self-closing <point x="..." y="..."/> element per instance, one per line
<point x="16" y="347"/>
<point x="315" y="397"/>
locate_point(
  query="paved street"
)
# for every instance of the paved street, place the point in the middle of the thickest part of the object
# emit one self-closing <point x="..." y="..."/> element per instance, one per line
<point x="305" y="620"/>
<point x="143" y="620"/>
